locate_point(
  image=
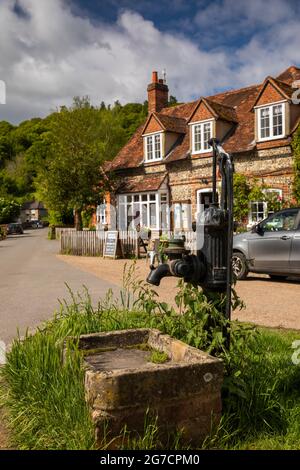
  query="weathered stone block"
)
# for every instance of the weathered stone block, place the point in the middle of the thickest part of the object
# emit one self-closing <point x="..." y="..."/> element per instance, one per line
<point x="122" y="384"/>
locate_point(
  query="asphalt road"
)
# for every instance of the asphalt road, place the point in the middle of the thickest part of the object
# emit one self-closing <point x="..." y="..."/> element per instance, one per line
<point x="32" y="279"/>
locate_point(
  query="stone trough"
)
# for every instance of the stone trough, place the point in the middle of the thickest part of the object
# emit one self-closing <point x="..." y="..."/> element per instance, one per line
<point x="122" y="384"/>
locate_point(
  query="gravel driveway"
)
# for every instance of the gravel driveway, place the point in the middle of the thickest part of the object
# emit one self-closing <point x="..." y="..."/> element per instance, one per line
<point x="268" y="303"/>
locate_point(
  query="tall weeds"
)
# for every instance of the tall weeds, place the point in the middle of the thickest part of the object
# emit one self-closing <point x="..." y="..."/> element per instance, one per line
<point x="45" y="396"/>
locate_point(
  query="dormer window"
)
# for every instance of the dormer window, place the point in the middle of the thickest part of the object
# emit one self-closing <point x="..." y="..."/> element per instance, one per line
<point x="153" y="147"/>
<point x="271" y="121"/>
<point x="201" y="133"/>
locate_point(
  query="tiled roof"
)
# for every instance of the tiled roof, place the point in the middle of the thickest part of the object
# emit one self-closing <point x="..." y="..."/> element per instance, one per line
<point x="141" y="183"/>
<point x="290" y="75"/>
<point x="218" y="110"/>
<point x="284" y="88"/>
<point x="32" y="205"/>
<point x="131" y="155"/>
<point x="223" y="111"/>
<point x="235" y="106"/>
<point x="167" y="123"/>
<point x="172" y="123"/>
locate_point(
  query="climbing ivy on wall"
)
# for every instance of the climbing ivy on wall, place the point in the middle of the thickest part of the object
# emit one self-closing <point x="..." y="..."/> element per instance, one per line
<point x="246" y="191"/>
<point x="296" y="150"/>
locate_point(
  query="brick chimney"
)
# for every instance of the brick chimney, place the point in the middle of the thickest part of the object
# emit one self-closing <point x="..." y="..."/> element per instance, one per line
<point x="157" y="94"/>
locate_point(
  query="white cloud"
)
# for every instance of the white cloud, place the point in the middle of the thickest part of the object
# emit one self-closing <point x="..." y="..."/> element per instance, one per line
<point x="240" y="16"/>
<point x="48" y="55"/>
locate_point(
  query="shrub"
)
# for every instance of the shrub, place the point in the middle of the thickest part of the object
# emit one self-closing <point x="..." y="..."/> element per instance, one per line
<point x="9" y="209"/>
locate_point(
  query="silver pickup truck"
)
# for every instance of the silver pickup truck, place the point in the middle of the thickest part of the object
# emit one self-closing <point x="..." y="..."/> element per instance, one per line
<point x="271" y="247"/>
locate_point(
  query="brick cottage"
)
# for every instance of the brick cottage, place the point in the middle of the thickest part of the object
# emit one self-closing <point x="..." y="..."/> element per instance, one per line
<point x="164" y="172"/>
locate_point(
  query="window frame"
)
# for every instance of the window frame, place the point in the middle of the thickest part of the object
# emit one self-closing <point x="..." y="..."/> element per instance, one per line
<point x="152" y="136"/>
<point x="101" y="215"/>
<point x="265" y="206"/>
<point x="199" y="192"/>
<point x="182" y="216"/>
<point x="202" y="126"/>
<point x="271" y="107"/>
<point x="145" y="199"/>
<point x="252" y="222"/>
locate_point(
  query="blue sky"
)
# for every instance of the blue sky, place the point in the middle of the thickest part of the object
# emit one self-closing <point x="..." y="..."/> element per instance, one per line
<point x="184" y="17"/>
<point x="52" y="50"/>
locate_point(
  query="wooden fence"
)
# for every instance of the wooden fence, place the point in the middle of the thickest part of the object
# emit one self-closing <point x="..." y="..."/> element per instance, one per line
<point x="85" y="243"/>
<point x="60" y="230"/>
<point x="91" y="242"/>
<point x="129" y="241"/>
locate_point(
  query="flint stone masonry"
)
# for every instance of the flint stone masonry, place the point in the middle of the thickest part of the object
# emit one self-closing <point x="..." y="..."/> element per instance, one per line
<point x="121" y="384"/>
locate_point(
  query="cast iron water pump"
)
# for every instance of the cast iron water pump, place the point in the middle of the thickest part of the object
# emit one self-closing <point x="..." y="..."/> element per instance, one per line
<point x="211" y="267"/>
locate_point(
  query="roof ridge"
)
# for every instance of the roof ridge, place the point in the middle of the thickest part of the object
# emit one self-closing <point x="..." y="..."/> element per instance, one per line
<point x="220" y="104"/>
<point x="237" y="90"/>
<point x="180" y="105"/>
<point x="170" y="116"/>
<point x="281" y="82"/>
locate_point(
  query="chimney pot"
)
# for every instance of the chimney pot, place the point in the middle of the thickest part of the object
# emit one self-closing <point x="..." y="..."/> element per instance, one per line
<point x="154" y="77"/>
<point x="157" y="94"/>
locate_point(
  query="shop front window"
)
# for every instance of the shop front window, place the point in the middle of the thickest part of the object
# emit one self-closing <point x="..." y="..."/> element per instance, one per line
<point x="144" y="209"/>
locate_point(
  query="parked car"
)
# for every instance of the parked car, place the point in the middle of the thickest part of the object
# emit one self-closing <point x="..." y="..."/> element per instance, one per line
<point x="14" y="228"/>
<point x="36" y="224"/>
<point x="271" y="247"/>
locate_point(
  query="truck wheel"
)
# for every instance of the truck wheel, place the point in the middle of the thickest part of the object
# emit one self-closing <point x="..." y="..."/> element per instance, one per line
<point x="239" y="266"/>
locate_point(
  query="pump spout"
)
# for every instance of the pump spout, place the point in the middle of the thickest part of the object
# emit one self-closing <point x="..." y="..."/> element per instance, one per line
<point x="156" y="274"/>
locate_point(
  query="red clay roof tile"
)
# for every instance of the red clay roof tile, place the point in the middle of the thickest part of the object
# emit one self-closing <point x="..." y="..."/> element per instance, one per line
<point x="141" y="183"/>
<point x="234" y="105"/>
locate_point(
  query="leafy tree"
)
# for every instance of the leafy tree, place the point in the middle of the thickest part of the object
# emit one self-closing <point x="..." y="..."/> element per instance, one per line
<point x="9" y="210"/>
<point x="82" y="139"/>
<point x="172" y="101"/>
<point x="6" y="148"/>
<point x="26" y="150"/>
<point x="130" y="117"/>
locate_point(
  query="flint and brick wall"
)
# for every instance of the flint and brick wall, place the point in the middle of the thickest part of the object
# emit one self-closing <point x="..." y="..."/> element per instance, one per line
<point x="272" y="167"/>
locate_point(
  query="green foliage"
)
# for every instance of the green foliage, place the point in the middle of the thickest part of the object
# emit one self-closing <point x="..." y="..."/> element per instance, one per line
<point x="26" y="150"/>
<point x="172" y="101"/>
<point x="2" y="233"/>
<point x="9" y="210"/>
<point x="274" y="202"/>
<point x="296" y="149"/>
<point x="60" y="218"/>
<point x="6" y="148"/>
<point x="261" y="399"/>
<point x="56" y="415"/>
<point x="130" y="116"/>
<point x="22" y="150"/>
<point x="87" y="217"/>
<point x="81" y="140"/>
<point x="158" y="357"/>
<point x="246" y="191"/>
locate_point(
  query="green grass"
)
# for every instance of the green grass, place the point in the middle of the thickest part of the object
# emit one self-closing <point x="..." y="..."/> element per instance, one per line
<point x="158" y="357"/>
<point x="268" y="417"/>
<point x="44" y="396"/>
